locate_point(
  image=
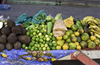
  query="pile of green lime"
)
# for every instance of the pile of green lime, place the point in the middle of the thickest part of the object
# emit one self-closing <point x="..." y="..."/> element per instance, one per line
<point x="40" y="40"/>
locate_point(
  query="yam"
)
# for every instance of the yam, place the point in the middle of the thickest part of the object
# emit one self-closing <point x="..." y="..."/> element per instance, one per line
<point x="3" y="39"/>
<point x="9" y="46"/>
<point x="24" y="39"/>
<point x="10" y="23"/>
<point x="5" y="31"/>
<point x="17" y="45"/>
<point x="12" y="38"/>
<point x="2" y="47"/>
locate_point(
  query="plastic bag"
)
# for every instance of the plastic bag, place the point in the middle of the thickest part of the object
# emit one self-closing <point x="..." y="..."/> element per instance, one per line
<point x="59" y="25"/>
<point x="21" y="18"/>
<point x="3" y="19"/>
<point x="36" y="17"/>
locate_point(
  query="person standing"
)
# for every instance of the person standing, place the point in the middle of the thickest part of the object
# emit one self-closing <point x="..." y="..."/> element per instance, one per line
<point x="3" y="2"/>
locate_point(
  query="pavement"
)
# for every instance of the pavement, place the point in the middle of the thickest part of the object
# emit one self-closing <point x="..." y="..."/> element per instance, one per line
<point x="66" y="11"/>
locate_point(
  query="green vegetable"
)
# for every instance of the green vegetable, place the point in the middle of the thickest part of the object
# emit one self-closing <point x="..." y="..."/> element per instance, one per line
<point x="58" y="16"/>
<point x="49" y="27"/>
<point x="49" y="18"/>
<point x="79" y="25"/>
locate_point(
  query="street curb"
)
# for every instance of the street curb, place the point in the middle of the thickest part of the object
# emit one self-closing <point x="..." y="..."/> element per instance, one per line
<point x="53" y="3"/>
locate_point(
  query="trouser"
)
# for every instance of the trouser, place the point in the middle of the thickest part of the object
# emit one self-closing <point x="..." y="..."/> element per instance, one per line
<point x="0" y="2"/>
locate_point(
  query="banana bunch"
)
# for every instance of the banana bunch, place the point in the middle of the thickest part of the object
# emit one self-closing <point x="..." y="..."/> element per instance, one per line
<point x="94" y="24"/>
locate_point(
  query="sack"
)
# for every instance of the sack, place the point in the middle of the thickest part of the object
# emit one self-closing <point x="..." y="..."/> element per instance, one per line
<point x="39" y="17"/>
<point x="59" y="25"/>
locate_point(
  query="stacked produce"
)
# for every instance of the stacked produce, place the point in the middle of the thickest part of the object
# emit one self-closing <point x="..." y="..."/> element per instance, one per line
<point x="12" y="36"/>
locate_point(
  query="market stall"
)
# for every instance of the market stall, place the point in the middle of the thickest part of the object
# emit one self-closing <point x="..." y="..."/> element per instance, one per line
<point x="41" y="38"/>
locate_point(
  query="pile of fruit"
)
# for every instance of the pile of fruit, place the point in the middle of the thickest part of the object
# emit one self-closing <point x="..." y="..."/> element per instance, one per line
<point x="80" y="34"/>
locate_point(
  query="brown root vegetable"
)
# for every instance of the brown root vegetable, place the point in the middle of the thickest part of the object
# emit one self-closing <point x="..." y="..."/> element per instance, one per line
<point x="10" y="23"/>
<point x="23" y="30"/>
<point x="3" y="39"/>
<point x="2" y="47"/>
<point x="12" y="38"/>
<point x="19" y="30"/>
<point x="5" y="31"/>
<point x="16" y="30"/>
<point x="24" y="39"/>
<point x="9" y="46"/>
<point x="17" y="45"/>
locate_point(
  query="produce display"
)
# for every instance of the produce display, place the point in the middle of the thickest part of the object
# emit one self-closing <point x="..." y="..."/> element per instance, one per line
<point x="55" y="33"/>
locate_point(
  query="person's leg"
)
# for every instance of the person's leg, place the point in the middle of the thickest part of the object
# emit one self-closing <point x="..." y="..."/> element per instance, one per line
<point x="3" y="2"/>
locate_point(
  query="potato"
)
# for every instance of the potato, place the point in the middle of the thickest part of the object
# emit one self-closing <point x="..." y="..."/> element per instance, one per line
<point x="9" y="46"/>
<point x="12" y="38"/>
<point x="2" y="47"/>
<point x="24" y="39"/>
<point x="10" y="23"/>
<point x="5" y="31"/>
<point x="17" y="45"/>
<point x="3" y="39"/>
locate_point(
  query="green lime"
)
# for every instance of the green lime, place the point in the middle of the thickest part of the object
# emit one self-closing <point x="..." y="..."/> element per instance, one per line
<point x="53" y="38"/>
<point x="50" y="40"/>
<point x="44" y="33"/>
<point x="34" y="33"/>
<point x="36" y="45"/>
<point x="32" y="49"/>
<point x="38" y="31"/>
<point x="39" y="28"/>
<point x="41" y="40"/>
<point x="31" y="44"/>
<point x="23" y="45"/>
<point x="48" y="48"/>
<point x="33" y="41"/>
<point x="50" y="44"/>
<point x="26" y="48"/>
<point x="31" y="35"/>
<point x="54" y="44"/>
<point x="36" y="42"/>
<point x="44" y="48"/>
<point x="43" y="23"/>
<point x="40" y="48"/>
<point x="37" y="36"/>
<point x="51" y="34"/>
<point x="37" y="39"/>
<point x="35" y="49"/>
<point x="31" y="31"/>
<point x="41" y="31"/>
<point x="42" y="45"/>
<point x="46" y="45"/>
<point x="47" y="39"/>
<point x="35" y="30"/>
<point x="44" y="42"/>
<point x="29" y="47"/>
<point x="30" y="28"/>
<point x="53" y="48"/>
<point x="27" y="33"/>
<point x="44" y="38"/>
<point x="33" y="38"/>
<point x="40" y="34"/>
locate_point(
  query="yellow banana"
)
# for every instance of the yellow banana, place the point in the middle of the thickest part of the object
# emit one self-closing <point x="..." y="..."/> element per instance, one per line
<point x="92" y="21"/>
<point x="85" y="18"/>
<point x="97" y="35"/>
<point x="97" y="19"/>
<point x="97" y="32"/>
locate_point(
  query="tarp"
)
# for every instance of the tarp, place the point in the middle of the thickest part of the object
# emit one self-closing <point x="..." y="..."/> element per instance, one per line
<point x="13" y="57"/>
